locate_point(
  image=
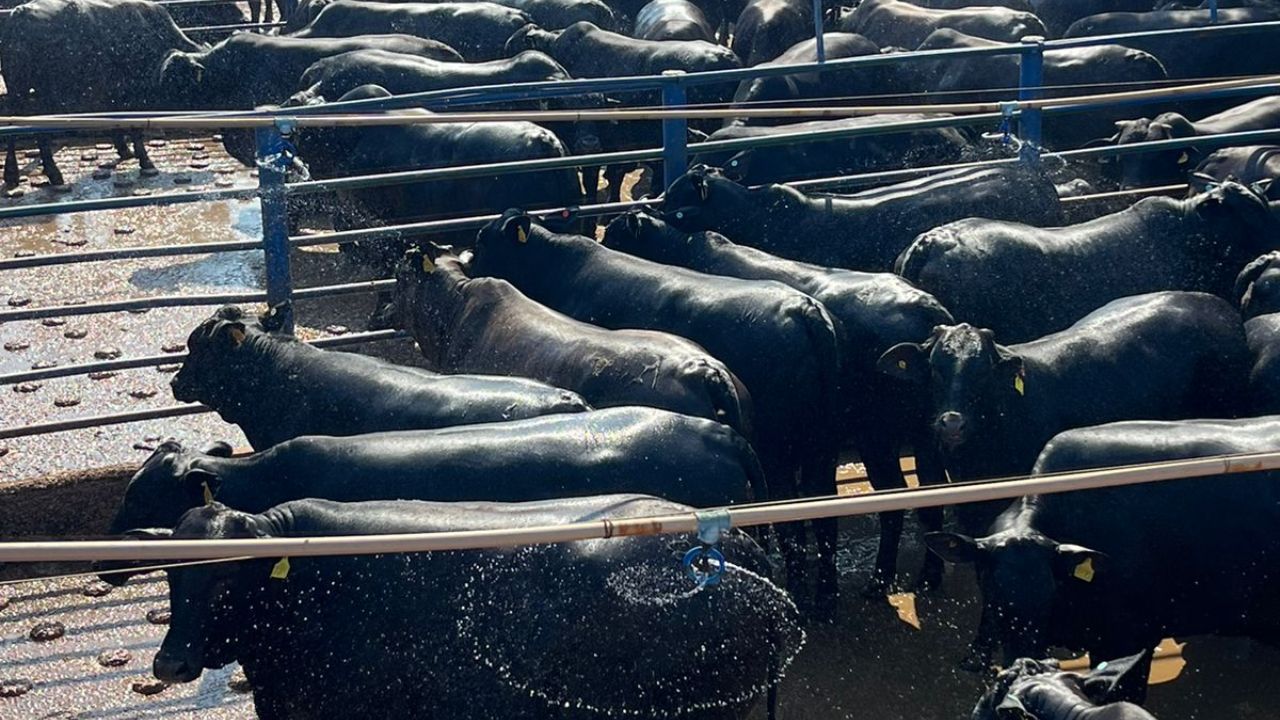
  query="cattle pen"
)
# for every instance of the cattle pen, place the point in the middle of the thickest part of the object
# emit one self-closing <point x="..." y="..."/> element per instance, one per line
<point x="1013" y="126"/>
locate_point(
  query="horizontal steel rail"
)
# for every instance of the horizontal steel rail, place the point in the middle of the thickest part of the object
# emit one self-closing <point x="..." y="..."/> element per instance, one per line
<point x="91" y="421"/>
<point x="173" y="301"/>
<point x="122" y="203"/>
<point x="1120" y="38"/>
<point x="232" y="27"/>
<point x="169" y="358"/>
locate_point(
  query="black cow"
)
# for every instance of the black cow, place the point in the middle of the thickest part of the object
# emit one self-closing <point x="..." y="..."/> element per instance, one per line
<point x="484" y="325"/>
<point x="1258" y="292"/>
<point x="686" y="459"/>
<point x="75" y="56"/>
<point x="334" y="152"/>
<point x="1246" y="164"/>
<point x="896" y="23"/>
<point x="753" y="327"/>
<point x="1113" y="571"/>
<point x="1158" y="244"/>
<point x="1058" y="15"/>
<point x="538" y="632"/>
<point x="247" y="69"/>
<point x="865" y="231"/>
<point x="1166" y="355"/>
<point x="1039" y="690"/>
<point x="277" y="388"/>
<point x="803" y="159"/>
<point x="673" y="20"/>
<point x="846" y="83"/>
<point x="766" y="28"/>
<point x="1069" y="69"/>
<point x="1170" y="166"/>
<point x="401" y="74"/>
<point x="872" y="312"/>
<point x="478" y="30"/>
<point x="552" y="14"/>
<point x="1211" y="55"/>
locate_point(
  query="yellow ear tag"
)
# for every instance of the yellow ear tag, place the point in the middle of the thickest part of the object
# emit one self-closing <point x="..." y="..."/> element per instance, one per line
<point x="902" y="364"/>
<point x="1084" y="571"/>
<point x="1184" y="159"/>
<point x="281" y="569"/>
<point x="237" y="336"/>
<point x="208" y="494"/>
<point x="427" y="265"/>
<point x="1019" y="384"/>
<point x="521" y="235"/>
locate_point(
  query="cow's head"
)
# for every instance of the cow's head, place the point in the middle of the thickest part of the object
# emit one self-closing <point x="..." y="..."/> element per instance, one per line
<point x="207" y="600"/>
<point x="182" y="80"/>
<point x="1153" y="168"/>
<point x="706" y="198"/>
<point x="972" y="381"/>
<point x="1039" y="689"/>
<point x="427" y="298"/>
<point x="1023" y="576"/>
<point x="530" y="37"/>
<point x="218" y="370"/>
<point x="1240" y="212"/>
<point x="637" y="232"/>
<point x="168" y="484"/>
<point x="1258" y="286"/>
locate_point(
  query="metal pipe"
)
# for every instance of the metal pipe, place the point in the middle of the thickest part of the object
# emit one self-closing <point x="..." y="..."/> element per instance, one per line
<point x="232" y="27"/>
<point x="674" y="524"/>
<point x="122" y="203"/>
<point x="1120" y="38"/>
<point x="1031" y="77"/>
<point x="1159" y="190"/>
<point x="818" y="36"/>
<point x="79" y="423"/>
<point x="128" y="253"/>
<point x="156" y="360"/>
<point x="1213" y="11"/>
<point x="675" y="131"/>
<point x="272" y="165"/>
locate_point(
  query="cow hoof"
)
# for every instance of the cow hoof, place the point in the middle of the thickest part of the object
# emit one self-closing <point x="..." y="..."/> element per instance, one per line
<point x="149" y="172"/>
<point x="877" y="588"/>
<point x="60" y="188"/>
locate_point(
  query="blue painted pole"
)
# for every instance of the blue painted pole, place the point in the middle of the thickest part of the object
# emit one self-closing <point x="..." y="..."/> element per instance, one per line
<point x="817" y="31"/>
<point x="675" y="131"/>
<point x="275" y="218"/>
<point x="1213" y="11"/>
<point x="1029" y="88"/>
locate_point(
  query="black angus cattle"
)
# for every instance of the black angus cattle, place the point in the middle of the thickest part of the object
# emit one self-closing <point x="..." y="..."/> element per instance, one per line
<point x="485" y="325"/>
<point x="75" y="56"/>
<point x="1258" y="292"/>
<point x="755" y="328"/>
<point x="1039" y="690"/>
<point x="550" y="14"/>
<point x="247" y="69"/>
<point x="1211" y="55"/>
<point x="865" y="231"/>
<point x="845" y="84"/>
<point x="872" y="312"/>
<point x="538" y="634"/>
<point x="673" y="20"/>
<point x="1157" y="244"/>
<point x="478" y="30"/>
<point x="766" y="28"/>
<point x="826" y="157"/>
<point x="338" y="151"/>
<point x="897" y="23"/>
<point x="401" y="74"/>
<point x="630" y="449"/>
<point x="1112" y="571"/>
<point x="992" y="407"/>
<point x="277" y="388"/>
<point x="1072" y="70"/>
<point x="1170" y="166"/>
<point x="1246" y="164"/>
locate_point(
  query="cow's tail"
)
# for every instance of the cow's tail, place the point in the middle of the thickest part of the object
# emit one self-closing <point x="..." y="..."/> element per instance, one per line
<point x="910" y="264"/>
<point x="821" y="332"/>
<point x="729" y="399"/>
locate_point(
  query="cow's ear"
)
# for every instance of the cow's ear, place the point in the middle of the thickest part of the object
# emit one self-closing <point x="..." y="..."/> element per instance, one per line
<point x="632" y="223"/>
<point x="1121" y="680"/>
<point x="1014" y="371"/>
<point x="738" y="167"/>
<point x="274" y="319"/>
<point x="232" y="333"/>
<point x="1079" y="563"/>
<point x="952" y="547"/>
<point x="217" y="448"/>
<point x="904" y="361"/>
<point x="516" y="227"/>
<point x="202" y="482"/>
<point x="149" y="533"/>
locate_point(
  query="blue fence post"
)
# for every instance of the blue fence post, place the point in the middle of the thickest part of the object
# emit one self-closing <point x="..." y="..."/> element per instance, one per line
<point x="817" y="31"/>
<point x="675" y="131"/>
<point x="273" y="162"/>
<point x="1213" y="11"/>
<point x="1031" y="64"/>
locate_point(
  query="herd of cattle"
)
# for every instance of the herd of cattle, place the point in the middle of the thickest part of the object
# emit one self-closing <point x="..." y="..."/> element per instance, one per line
<point x="726" y="344"/>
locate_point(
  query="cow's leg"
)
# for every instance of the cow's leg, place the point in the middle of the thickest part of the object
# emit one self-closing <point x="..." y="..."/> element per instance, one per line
<point x="613" y="175"/>
<point x="930" y="471"/>
<point x="591" y="183"/>
<point x="51" y="170"/>
<point x="783" y="481"/>
<point x="978" y="656"/>
<point x="255" y="10"/>
<point x="268" y="11"/>
<point x="885" y="473"/>
<point x="11" y="163"/>
<point x="122" y="145"/>
<point x="146" y="167"/>
<point x="819" y="478"/>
